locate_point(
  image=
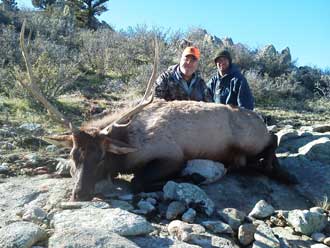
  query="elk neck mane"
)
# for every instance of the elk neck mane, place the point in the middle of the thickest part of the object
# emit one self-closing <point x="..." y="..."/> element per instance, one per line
<point x="102" y="122"/>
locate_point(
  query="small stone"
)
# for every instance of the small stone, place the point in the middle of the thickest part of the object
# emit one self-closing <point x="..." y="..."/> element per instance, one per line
<point x="174" y="209"/>
<point x="326" y="241"/>
<point x="218" y="227"/>
<point x="246" y="234"/>
<point x="4" y="169"/>
<point x="121" y="204"/>
<point x="34" y="214"/>
<point x="30" y="126"/>
<point x="264" y="237"/>
<point x="232" y="217"/>
<point x="51" y="148"/>
<point x="153" y="201"/>
<point x="189" y="215"/>
<point x="127" y="197"/>
<point x="262" y="210"/>
<point x="307" y="222"/>
<point x="184" y="231"/>
<point x="146" y="206"/>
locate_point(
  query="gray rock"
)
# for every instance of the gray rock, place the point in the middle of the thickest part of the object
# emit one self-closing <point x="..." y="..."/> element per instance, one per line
<point x="113" y="220"/>
<point x="319" y="246"/>
<point x="21" y="234"/>
<point x="151" y="200"/>
<point x="183" y="231"/>
<point x="189" y="216"/>
<point x="30" y="127"/>
<point x="264" y="237"/>
<point x="190" y="194"/>
<point x="317" y="150"/>
<point x="32" y="158"/>
<point x="218" y="227"/>
<point x="126" y="197"/>
<point x="6" y="145"/>
<point x="312" y="176"/>
<point x="20" y="193"/>
<point x="227" y="41"/>
<point x="121" y="204"/>
<point x="158" y="242"/>
<point x="268" y="51"/>
<point x="232" y="217"/>
<point x="246" y="234"/>
<point x="208" y="169"/>
<point x="155" y="195"/>
<point x="321" y="128"/>
<point x="34" y="214"/>
<point x="288" y="239"/>
<point x="174" y="209"/>
<point x="146" y="206"/>
<point x="209" y="241"/>
<point x="307" y="222"/>
<point x="87" y="204"/>
<point x="88" y="237"/>
<point x="262" y="210"/>
<point x="4" y="168"/>
<point x="51" y="148"/>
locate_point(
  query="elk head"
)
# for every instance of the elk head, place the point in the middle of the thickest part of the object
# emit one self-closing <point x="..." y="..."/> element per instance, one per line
<point x="88" y="147"/>
<point x="88" y="154"/>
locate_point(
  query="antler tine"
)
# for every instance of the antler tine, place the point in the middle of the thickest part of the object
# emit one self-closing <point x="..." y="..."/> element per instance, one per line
<point x="34" y="89"/>
<point x="125" y="120"/>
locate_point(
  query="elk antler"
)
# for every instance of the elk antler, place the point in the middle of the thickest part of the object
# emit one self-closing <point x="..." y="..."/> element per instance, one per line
<point x="125" y="119"/>
<point x="34" y="89"/>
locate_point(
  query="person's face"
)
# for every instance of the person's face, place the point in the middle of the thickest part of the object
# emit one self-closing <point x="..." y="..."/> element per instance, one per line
<point x="222" y="64"/>
<point x="188" y="65"/>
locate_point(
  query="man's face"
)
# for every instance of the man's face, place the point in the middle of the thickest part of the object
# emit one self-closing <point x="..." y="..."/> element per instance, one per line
<point x="188" y="65"/>
<point x="222" y="64"/>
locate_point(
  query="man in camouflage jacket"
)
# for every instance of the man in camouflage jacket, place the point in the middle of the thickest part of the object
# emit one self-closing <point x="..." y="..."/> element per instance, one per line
<point x="182" y="82"/>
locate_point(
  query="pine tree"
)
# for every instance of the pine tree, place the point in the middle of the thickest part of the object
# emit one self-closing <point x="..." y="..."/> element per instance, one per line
<point x="9" y="5"/>
<point x="87" y="10"/>
<point x="42" y="4"/>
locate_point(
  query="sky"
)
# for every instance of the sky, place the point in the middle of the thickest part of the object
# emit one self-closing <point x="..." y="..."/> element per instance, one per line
<point x="301" y="25"/>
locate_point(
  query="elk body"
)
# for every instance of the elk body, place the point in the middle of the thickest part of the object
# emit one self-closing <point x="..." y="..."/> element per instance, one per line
<point x="162" y="137"/>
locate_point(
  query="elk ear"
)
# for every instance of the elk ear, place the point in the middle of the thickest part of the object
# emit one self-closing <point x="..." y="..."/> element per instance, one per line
<point x="117" y="146"/>
<point x="59" y="140"/>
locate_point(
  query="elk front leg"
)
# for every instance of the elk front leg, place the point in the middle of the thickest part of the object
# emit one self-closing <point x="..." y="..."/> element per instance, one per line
<point x="153" y="176"/>
<point x="268" y="164"/>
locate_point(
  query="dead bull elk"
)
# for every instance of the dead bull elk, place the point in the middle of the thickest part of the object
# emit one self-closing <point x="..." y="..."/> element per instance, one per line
<point x="154" y="140"/>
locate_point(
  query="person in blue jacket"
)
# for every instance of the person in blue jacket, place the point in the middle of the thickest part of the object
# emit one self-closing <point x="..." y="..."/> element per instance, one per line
<point x="229" y="86"/>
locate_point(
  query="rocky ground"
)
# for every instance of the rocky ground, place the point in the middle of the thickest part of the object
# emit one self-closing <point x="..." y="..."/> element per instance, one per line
<point x="231" y="210"/>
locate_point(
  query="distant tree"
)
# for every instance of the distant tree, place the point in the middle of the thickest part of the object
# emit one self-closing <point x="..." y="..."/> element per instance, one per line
<point x="43" y="4"/>
<point x="87" y="10"/>
<point x="9" y="5"/>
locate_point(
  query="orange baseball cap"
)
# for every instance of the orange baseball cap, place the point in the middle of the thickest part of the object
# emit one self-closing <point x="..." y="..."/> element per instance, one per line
<point x="191" y="50"/>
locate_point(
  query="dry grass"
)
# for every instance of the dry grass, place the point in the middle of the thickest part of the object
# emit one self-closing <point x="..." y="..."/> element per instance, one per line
<point x="324" y="204"/>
